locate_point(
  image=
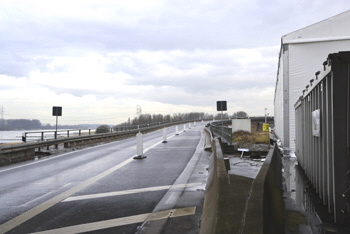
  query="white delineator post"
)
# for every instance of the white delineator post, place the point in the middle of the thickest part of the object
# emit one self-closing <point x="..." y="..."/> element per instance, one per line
<point x="184" y="127"/>
<point x="202" y="122"/>
<point x="189" y="125"/>
<point x="176" y="130"/>
<point x="139" y="146"/>
<point x="194" y="124"/>
<point x="164" y="136"/>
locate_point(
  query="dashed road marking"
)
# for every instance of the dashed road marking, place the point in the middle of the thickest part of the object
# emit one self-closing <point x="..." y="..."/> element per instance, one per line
<point x="131" y="191"/>
<point x="88" y="227"/>
<point x="5" y="227"/>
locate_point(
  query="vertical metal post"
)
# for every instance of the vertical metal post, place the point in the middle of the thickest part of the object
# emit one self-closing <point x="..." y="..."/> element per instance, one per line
<point x="56" y="145"/>
<point x="222" y="125"/>
<point x="56" y="127"/>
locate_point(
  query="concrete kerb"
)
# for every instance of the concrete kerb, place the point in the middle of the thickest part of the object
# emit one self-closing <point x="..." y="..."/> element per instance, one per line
<point x="208" y="139"/>
<point x="210" y="207"/>
<point x="237" y="204"/>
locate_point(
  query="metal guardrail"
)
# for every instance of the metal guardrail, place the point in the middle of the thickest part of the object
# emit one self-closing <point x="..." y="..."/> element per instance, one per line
<point x="45" y="135"/>
<point x="224" y="132"/>
<point x="322" y="134"/>
<point x="51" y="134"/>
<point x="9" y="152"/>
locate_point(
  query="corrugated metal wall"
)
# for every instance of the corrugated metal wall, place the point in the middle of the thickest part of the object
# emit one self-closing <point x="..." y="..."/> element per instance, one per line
<point x="304" y="60"/>
<point x="278" y="102"/>
<point x="322" y="132"/>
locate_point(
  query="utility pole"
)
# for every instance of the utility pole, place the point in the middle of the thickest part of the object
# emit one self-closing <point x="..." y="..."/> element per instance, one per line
<point x="138" y="111"/>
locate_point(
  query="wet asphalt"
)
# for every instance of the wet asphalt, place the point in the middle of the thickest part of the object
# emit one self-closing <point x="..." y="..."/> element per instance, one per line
<point x="102" y="189"/>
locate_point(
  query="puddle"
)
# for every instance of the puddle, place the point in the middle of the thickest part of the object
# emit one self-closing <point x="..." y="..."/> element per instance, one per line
<point x="245" y="166"/>
<point x="303" y="208"/>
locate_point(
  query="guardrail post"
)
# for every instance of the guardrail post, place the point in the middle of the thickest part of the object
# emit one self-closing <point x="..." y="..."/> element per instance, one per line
<point x="67" y="133"/>
<point x="42" y="136"/>
<point x="24" y="138"/>
<point x="79" y="132"/>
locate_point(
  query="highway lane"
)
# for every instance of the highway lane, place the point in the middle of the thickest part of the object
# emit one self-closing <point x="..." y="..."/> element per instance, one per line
<point x="103" y="190"/>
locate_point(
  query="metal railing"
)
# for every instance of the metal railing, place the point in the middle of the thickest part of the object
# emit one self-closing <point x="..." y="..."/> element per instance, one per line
<point x="322" y="134"/>
<point x="45" y="135"/>
<point x="52" y="134"/>
<point x="14" y="151"/>
<point x="220" y="129"/>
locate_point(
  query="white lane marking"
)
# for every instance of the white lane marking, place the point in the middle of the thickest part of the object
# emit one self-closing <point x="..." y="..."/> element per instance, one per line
<point x="53" y="201"/>
<point x="44" y="195"/>
<point x="51" y="158"/>
<point x="131" y="191"/>
<point x="171" y="197"/>
<point x="5" y="227"/>
<point x="65" y="154"/>
<point x="152" y="146"/>
<point x="88" y="227"/>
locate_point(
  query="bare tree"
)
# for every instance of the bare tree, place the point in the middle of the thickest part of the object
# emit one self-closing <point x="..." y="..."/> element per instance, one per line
<point x="240" y="115"/>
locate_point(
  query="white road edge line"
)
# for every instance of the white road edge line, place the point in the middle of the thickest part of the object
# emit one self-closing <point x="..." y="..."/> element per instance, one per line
<point x="62" y="155"/>
<point x="131" y="191"/>
<point x="88" y="227"/>
<point x="51" y="158"/>
<point x="12" y="223"/>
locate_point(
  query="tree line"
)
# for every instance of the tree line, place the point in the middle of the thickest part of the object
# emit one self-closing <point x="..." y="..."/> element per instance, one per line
<point x="143" y="119"/>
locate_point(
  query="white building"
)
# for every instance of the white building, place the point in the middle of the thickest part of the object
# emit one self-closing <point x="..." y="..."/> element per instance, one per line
<point x="302" y="54"/>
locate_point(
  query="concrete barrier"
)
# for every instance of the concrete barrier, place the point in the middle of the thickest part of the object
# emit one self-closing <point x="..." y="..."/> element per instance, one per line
<point x="208" y="139"/>
<point x="237" y="204"/>
<point x="265" y="207"/>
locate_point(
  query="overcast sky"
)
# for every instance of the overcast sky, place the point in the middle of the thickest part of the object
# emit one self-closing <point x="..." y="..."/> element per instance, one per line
<point x="99" y="59"/>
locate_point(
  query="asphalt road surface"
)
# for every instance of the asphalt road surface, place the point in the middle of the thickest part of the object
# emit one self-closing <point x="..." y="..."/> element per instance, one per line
<point x="102" y="189"/>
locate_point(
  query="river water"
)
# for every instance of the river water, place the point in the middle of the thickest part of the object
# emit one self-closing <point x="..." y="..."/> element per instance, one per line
<point x="37" y="135"/>
<point x="11" y="136"/>
<point x="34" y="135"/>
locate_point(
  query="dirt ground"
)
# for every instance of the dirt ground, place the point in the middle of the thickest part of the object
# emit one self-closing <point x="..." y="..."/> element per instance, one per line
<point x="256" y="140"/>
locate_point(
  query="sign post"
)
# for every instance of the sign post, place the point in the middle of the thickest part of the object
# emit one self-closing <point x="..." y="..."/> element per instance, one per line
<point x="222" y="106"/>
<point x="56" y="111"/>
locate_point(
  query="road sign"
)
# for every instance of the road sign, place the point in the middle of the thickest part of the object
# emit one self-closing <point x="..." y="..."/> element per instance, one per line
<point x="221" y="105"/>
<point x="57" y="111"/>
